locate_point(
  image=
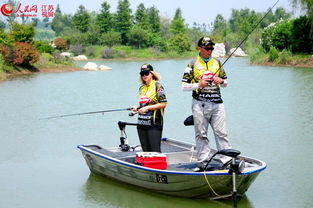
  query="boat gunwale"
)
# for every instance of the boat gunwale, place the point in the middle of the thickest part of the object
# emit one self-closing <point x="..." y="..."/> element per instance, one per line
<point x="85" y="148"/>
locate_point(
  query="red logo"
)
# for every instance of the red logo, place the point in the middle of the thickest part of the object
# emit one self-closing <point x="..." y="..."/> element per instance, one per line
<point x="6" y="9"/>
<point x="28" y="10"/>
<point x="144" y="100"/>
<point x="207" y="76"/>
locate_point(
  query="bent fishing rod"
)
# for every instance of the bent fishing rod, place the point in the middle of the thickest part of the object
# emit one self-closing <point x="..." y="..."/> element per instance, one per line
<point x="246" y="37"/>
<point x="94" y="112"/>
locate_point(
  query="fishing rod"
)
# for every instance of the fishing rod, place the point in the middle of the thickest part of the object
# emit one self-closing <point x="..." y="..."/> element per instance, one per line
<point x="94" y="112"/>
<point x="246" y="37"/>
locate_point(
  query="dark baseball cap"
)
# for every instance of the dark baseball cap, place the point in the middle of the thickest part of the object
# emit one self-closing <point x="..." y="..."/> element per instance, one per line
<point x="146" y="67"/>
<point x="205" y="41"/>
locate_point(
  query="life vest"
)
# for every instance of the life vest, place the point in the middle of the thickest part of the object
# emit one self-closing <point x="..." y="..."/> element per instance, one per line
<point x="150" y="95"/>
<point x="197" y="70"/>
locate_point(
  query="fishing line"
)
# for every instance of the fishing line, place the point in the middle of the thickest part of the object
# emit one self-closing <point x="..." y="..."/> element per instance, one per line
<point x="246" y="37"/>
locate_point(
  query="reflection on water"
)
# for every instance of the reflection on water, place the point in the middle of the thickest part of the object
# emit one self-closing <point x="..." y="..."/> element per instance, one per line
<point x="106" y="192"/>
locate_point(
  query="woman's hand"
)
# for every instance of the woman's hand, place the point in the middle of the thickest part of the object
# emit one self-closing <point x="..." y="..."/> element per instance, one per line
<point x="144" y="110"/>
<point x="134" y="108"/>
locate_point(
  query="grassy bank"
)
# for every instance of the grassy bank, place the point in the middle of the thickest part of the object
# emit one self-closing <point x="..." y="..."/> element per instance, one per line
<point x="46" y="63"/>
<point x="127" y="52"/>
<point x="280" y="58"/>
<point x="56" y="63"/>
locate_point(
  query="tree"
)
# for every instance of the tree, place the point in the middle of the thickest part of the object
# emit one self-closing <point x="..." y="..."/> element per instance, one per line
<point x="141" y="17"/>
<point x="22" y="32"/>
<point x="178" y="25"/>
<point x="123" y="19"/>
<point x="11" y="18"/>
<point x="104" y="19"/>
<point x="220" y="27"/>
<point x="307" y="6"/>
<point x="180" y="43"/>
<point x="60" y="22"/>
<point x="154" y="19"/>
<point x="138" y="37"/>
<point x="301" y="41"/>
<point x="2" y="25"/>
<point x="46" y="22"/>
<point x="196" y="31"/>
<point x="278" y="35"/>
<point x="110" y="38"/>
<point x="81" y="19"/>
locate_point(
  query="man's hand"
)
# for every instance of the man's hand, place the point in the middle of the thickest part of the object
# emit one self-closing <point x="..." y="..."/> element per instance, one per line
<point x="218" y="80"/>
<point x="203" y="83"/>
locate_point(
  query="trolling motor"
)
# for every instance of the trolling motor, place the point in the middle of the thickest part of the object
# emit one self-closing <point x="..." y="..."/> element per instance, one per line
<point x="234" y="168"/>
<point x="123" y="138"/>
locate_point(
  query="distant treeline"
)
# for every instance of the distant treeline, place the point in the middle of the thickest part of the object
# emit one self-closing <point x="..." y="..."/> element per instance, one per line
<point x="91" y="31"/>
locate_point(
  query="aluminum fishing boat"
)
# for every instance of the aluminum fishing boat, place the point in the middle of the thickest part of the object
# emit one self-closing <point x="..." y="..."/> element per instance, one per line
<point x="179" y="178"/>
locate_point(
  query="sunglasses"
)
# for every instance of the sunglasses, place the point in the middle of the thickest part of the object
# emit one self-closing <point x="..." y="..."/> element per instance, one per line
<point x="209" y="49"/>
<point x="144" y="73"/>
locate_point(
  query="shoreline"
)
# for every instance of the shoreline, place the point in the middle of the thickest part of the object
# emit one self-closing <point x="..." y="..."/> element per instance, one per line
<point x="55" y="69"/>
<point x="66" y="68"/>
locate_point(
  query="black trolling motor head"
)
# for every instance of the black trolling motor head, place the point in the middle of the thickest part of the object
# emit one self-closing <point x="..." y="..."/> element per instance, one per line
<point x="125" y="147"/>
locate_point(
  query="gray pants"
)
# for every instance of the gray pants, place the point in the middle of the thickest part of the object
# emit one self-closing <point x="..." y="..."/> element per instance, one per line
<point x="205" y="113"/>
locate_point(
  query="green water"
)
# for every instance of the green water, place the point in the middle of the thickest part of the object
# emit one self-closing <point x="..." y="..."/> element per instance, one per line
<point x="269" y="117"/>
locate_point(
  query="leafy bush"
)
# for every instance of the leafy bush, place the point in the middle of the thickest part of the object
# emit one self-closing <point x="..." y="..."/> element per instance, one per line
<point x="258" y="55"/>
<point x="22" y="32"/>
<point x="282" y="36"/>
<point x="273" y="54"/>
<point x="60" y="44"/>
<point x="43" y="47"/>
<point x="77" y="49"/>
<point x="156" y="41"/>
<point x="45" y="59"/>
<point x="25" y="54"/>
<point x="107" y="53"/>
<point x="284" y="57"/>
<point x="110" y="39"/>
<point x="7" y="53"/>
<point x="121" y="54"/>
<point x="91" y="51"/>
<point x="138" y="37"/>
<point x="180" y="43"/>
<point x="302" y="43"/>
<point x="5" y="39"/>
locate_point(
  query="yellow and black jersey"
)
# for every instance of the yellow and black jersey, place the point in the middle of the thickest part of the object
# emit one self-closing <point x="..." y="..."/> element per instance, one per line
<point x="196" y="69"/>
<point x="150" y="95"/>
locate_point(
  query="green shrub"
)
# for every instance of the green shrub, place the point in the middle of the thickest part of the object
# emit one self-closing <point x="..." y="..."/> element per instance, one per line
<point x="273" y="54"/>
<point x="25" y="54"/>
<point x="7" y="53"/>
<point x="284" y="57"/>
<point x="22" y="32"/>
<point x="180" y="43"/>
<point x="91" y="51"/>
<point x="43" y="47"/>
<point x="110" y="39"/>
<point x="258" y="55"/>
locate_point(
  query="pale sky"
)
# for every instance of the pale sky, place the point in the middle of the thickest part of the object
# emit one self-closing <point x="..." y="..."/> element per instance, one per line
<point x="200" y="11"/>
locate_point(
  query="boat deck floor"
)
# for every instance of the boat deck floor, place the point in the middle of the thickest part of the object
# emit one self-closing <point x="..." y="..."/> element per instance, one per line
<point x="129" y="156"/>
<point x="117" y="153"/>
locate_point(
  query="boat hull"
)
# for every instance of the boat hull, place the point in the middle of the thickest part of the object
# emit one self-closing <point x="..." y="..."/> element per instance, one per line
<point x="211" y="184"/>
